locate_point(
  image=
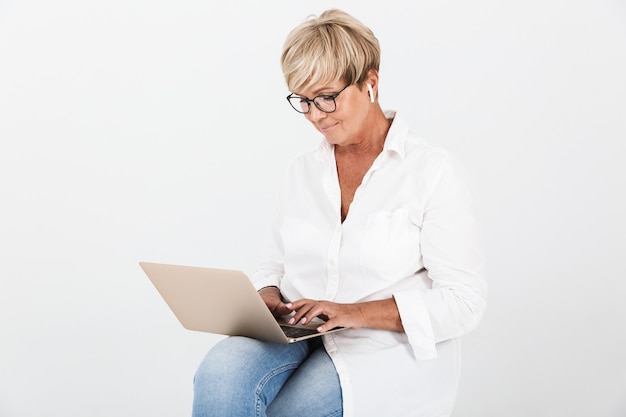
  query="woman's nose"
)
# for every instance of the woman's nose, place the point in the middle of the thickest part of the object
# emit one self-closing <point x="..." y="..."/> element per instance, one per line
<point x="315" y="114"/>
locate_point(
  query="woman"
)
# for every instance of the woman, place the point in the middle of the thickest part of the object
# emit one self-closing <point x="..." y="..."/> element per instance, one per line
<point x="374" y="234"/>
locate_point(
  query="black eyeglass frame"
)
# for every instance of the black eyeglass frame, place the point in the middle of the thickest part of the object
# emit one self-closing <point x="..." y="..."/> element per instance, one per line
<point x="308" y="101"/>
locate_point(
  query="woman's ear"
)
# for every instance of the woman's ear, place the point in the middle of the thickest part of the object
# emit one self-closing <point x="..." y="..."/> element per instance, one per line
<point x="371" y="92"/>
<point x="372" y="83"/>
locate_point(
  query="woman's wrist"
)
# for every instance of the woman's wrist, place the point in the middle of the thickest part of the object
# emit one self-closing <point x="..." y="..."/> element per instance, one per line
<point x="381" y="314"/>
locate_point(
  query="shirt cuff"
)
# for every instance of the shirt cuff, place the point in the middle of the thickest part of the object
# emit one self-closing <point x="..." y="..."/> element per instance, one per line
<point x="416" y="323"/>
<point x="266" y="281"/>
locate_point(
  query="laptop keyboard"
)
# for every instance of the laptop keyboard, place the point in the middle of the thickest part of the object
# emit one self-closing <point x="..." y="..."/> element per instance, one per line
<point x="297" y="331"/>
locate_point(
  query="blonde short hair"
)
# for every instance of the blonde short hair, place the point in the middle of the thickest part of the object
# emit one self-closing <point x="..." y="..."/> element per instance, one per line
<point x="328" y="48"/>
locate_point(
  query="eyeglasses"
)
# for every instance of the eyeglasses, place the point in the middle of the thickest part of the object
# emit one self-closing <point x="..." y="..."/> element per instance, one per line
<point x="324" y="102"/>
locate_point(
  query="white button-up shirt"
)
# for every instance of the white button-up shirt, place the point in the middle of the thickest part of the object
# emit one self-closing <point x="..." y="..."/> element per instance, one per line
<point x="409" y="234"/>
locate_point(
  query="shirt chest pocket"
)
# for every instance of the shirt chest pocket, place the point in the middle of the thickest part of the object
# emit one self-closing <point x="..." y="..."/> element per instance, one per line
<point x="390" y="244"/>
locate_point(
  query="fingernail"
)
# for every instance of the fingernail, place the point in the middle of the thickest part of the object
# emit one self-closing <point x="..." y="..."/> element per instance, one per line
<point x="288" y="305"/>
<point x="303" y="320"/>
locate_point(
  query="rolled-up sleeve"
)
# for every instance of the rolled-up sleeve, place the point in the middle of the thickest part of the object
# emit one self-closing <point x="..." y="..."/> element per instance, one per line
<point x="271" y="269"/>
<point x="450" y="244"/>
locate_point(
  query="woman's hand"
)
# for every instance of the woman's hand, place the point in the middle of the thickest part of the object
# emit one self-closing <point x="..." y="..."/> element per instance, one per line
<point x="380" y="314"/>
<point x="335" y="315"/>
<point x="273" y="301"/>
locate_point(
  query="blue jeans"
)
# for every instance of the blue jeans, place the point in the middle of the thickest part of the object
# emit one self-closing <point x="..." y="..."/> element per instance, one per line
<point x="243" y="377"/>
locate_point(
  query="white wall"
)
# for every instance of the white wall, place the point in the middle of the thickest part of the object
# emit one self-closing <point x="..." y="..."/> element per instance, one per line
<point x="157" y="130"/>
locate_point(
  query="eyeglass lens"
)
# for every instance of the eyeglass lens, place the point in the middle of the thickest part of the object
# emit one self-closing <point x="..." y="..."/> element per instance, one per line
<point x="324" y="103"/>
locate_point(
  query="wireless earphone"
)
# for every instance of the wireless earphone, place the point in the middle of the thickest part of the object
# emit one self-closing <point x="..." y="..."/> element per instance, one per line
<point x="371" y="91"/>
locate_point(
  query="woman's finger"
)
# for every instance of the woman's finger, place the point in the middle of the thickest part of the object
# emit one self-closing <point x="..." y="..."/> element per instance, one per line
<point x="304" y="312"/>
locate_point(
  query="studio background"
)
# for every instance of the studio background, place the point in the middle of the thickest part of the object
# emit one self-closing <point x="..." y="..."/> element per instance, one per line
<point x="143" y="130"/>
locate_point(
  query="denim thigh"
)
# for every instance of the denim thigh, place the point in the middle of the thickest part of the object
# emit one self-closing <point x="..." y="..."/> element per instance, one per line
<point x="240" y="376"/>
<point x="313" y="390"/>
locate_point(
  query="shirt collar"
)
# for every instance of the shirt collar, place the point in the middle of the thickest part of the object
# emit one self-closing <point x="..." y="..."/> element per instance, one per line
<point x="397" y="134"/>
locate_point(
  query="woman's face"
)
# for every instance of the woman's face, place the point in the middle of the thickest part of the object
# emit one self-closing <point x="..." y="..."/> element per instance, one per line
<point x="346" y="125"/>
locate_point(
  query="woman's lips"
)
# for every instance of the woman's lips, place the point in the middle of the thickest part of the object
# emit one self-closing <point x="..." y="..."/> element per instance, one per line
<point x="325" y="129"/>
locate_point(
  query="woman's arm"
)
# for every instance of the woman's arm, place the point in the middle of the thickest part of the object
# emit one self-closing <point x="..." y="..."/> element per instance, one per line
<point x="379" y="314"/>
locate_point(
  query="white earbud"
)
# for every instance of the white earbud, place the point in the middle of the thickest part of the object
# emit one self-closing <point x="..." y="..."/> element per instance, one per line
<point x="371" y="91"/>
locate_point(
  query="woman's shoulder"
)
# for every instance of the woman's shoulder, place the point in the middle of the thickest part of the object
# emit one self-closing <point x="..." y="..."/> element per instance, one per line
<point x="421" y="150"/>
<point x="409" y="144"/>
<point x="424" y="154"/>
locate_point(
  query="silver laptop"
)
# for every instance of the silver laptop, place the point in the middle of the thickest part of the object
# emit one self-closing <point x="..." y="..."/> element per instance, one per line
<point x="221" y="301"/>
